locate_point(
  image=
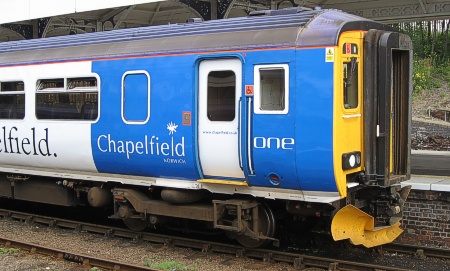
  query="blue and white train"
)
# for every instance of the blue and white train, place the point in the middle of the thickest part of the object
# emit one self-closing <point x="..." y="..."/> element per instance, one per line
<point x="241" y="123"/>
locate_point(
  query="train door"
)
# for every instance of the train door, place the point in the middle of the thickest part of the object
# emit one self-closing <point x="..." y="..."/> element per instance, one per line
<point x="220" y="85"/>
<point x="270" y="156"/>
<point x="348" y="109"/>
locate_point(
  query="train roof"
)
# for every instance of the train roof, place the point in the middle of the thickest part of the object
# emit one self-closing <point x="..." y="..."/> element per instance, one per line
<point x="293" y="27"/>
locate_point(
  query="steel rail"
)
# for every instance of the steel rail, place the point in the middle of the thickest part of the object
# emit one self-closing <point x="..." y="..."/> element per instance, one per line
<point x="86" y="260"/>
<point x="268" y="256"/>
<point x="418" y="251"/>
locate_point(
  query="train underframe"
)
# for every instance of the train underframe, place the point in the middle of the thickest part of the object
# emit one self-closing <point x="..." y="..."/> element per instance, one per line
<point x="251" y="221"/>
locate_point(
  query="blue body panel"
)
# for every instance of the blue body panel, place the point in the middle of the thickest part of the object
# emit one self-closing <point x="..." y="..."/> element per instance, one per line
<point x="314" y="124"/>
<point x="151" y="149"/>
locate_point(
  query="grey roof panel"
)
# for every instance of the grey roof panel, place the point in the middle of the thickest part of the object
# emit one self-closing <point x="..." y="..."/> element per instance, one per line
<point x="305" y="28"/>
<point x="164" y="31"/>
<point x="325" y="29"/>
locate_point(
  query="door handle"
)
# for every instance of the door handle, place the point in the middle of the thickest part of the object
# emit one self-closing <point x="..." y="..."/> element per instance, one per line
<point x="249" y="138"/>
<point x="240" y="133"/>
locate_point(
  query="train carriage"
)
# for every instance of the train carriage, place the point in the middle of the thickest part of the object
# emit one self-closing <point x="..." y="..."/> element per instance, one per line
<point x="238" y="123"/>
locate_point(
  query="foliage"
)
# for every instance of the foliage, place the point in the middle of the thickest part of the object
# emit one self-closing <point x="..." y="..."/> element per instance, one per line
<point x="169" y="265"/>
<point x="427" y="76"/>
<point x="431" y="41"/>
<point x="8" y="250"/>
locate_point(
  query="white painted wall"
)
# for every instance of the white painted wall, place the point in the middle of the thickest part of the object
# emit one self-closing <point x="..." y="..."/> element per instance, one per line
<point x="21" y="10"/>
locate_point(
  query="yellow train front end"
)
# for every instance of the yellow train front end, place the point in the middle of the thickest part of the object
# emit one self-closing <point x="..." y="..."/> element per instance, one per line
<point x="371" y="134"/>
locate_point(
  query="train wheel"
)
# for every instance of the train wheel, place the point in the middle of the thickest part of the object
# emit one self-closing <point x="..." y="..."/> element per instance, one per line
<point x="266" y="226"/>
<point x="136" y="224"/>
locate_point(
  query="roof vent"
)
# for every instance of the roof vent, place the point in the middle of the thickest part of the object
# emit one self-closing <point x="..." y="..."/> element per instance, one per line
<point x="194" y="20"/>
<point x="284" y="11"/>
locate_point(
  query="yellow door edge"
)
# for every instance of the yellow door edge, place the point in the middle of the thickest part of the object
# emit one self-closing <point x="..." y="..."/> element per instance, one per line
<point x="226" y="182"/>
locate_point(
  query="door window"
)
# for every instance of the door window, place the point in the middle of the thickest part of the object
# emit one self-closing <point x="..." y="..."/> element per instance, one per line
<point x="350" y="76"/>
<point x="221" y="96"/>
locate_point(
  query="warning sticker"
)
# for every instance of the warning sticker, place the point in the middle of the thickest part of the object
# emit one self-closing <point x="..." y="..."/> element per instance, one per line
<point x="329" y="54"/>
<point x="248" y="90"/>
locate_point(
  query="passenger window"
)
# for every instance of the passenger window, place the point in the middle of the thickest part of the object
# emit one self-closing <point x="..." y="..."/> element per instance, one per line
<point x="136" y="97"/>
<point x="350" y="84"/>
<point x="12" y="100"/>
<point x="67" y="99"/>
<point x="271" y="89"/>
<point x="221" y="96"/>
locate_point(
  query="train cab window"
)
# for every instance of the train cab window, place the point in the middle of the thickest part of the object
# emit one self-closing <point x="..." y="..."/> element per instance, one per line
<point x="12" y="100"/>
<point x="271" y="89"/>
<point x="350" y="76"/>
<point x="136" y="97"/>
<point x="67" y="99"/>
<point x="221" y="105"/>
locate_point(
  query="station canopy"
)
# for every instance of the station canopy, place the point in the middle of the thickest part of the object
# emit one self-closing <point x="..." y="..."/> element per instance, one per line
<point x="25" y="19"/>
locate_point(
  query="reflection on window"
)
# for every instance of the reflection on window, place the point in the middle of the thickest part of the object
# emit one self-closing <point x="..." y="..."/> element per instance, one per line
<point x="68" y="99"/>
<point x="12" y="100"/>
<point x="85" y="83"/>
<point x="350" y="84"/>
<point x="221" y="96"/>
<point x="272" y="89"/>
<point x="49" y="84"/>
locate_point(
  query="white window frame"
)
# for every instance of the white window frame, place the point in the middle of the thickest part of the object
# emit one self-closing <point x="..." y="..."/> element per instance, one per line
<point x="123" y="96"/>
<point x="257" y="89"/>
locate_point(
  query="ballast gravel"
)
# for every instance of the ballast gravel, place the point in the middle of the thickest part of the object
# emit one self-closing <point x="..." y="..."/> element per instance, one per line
<point x="129" y="251"/>
<point x="118" y="249"/>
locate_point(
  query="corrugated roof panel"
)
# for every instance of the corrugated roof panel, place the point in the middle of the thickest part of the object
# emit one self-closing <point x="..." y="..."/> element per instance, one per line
<point x="302" y="29"/>
<point x="165" y="31"/>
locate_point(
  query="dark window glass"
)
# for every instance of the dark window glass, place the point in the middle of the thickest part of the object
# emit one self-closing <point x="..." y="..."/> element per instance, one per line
<point x="69" y="106"/>
<point x="136" y="97"/>
<point x="350" y="84"/>
<point x="272" y="89"/>
<point x="221" y="96"/>
<point x="12" y="100"/>
<point x="12" y="86"/>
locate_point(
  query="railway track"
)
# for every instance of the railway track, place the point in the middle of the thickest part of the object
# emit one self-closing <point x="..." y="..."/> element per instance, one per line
<point x="266" y="257"/>
<point x="420" y="252"/>
<point x="430" y="136"/>
<point x="86" y="260"/>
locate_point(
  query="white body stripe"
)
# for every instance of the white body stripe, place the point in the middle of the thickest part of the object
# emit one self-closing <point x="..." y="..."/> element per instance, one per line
<point x="69" y="142"/>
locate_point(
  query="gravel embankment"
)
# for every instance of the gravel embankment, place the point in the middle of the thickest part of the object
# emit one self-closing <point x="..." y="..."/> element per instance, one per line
<point x="125" y="250"/>
<point x="122" y="250"/>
